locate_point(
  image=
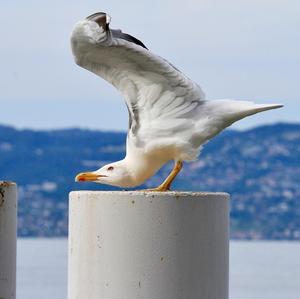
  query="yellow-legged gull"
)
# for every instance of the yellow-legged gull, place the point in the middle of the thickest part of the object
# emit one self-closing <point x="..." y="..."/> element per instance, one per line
<point x="169" y="117"/>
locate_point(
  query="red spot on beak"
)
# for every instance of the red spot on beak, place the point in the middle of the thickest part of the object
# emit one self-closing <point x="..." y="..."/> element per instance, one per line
<point x="87" y="176"/>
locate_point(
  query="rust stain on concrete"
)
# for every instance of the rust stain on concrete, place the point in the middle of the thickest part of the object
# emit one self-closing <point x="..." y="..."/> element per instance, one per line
<point x="3" y="185"/>
<point x="2" y="192"/>
<point x="6" y="184"/>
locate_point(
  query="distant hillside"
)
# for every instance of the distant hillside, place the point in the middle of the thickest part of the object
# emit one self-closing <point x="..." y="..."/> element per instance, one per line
<point x="259" y="167"/>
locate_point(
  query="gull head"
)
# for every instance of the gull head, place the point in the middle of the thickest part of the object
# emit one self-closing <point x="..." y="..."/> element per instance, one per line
<point x="114" y="174"/>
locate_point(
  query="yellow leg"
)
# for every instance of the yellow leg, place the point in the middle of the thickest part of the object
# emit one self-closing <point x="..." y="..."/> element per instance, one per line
<point x="166" y="184"/>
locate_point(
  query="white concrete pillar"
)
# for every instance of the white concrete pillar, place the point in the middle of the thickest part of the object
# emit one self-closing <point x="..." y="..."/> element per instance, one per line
<point x="8" y="239"/>
<point x="129" y="245"/>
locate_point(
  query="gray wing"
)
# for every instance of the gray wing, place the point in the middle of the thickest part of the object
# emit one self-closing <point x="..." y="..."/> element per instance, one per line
<point x="160" y="99"/>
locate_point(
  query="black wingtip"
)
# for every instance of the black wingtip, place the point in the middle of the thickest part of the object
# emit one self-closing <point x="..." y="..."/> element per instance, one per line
<point x="128" y="37"/>
<point x="101" y="18"/>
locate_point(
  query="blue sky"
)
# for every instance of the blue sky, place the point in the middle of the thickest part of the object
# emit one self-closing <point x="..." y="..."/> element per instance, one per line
<point x="248" y="50"/>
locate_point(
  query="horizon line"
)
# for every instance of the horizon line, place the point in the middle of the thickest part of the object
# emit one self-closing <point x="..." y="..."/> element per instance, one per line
<point x="68" y="128"/>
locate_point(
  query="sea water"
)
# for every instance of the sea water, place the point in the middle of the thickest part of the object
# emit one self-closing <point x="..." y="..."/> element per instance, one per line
<point x="258" y="270"/>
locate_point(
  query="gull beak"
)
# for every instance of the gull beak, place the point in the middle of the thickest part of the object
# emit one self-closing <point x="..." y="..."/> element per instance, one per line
<point x="87" y="176"/>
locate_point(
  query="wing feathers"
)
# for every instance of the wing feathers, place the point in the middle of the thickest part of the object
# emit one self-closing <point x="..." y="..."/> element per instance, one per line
<point x="128" y="37"/>
<point x="157" y="94"/>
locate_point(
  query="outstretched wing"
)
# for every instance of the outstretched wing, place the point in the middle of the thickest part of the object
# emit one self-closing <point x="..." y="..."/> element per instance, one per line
<point x="160" y="99"/>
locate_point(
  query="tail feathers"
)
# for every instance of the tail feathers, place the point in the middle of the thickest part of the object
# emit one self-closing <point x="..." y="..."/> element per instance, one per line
<point x="233" y="110"/>
<point x="216" y="115"/>
<point x="244" y="109"/>
<point x="265" y="107"/>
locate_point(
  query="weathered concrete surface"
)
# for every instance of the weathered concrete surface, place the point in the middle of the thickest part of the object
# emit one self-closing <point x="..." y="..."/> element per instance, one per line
<point x="129" y="245"/>
<point x="8" y="239"/>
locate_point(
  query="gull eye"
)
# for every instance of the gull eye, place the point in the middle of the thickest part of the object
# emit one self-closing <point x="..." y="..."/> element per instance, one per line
<point x="110" y="168"/>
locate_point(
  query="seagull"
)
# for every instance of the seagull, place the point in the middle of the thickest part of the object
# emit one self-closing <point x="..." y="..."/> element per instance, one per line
<point x="169" y="116"/>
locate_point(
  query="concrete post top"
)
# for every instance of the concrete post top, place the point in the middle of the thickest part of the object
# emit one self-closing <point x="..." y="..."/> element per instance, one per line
<point x="7" y="184"/>
<point x="151" y="194"/>
<point x="143" y="244"/>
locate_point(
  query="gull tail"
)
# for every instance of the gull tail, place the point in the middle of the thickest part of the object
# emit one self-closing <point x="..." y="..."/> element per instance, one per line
<point x="250" y="108"/>
<point x="255" y="108"/>
<point x="233" y="110"/>
<point x="217" y="115"/>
